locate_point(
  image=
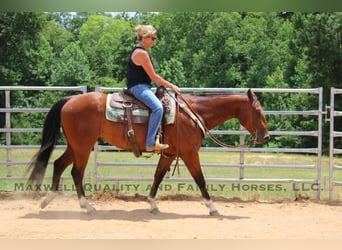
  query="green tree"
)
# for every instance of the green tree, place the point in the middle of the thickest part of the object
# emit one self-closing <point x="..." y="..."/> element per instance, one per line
<point x="319" y="36"/>
<point x="103" y="40"/>
<point x="322" y="36"/>
<point x="23" y="53"/>
<point x="20" y="42"/>
<point x="180" y="38"/>
<point x="194" y="49"/>
<point x="71" y="68"/>
<point x="57" y="36"/>
<point x="71" y="22"/>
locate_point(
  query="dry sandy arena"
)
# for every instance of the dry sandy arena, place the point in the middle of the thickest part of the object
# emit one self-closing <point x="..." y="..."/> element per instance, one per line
<point x="127" y="217"/>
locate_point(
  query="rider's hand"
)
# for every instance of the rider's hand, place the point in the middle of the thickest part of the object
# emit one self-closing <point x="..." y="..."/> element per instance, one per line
<point x="175" y="88"/>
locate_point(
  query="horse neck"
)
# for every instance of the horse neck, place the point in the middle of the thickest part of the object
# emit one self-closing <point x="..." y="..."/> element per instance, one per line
<point x="216" y="109"/>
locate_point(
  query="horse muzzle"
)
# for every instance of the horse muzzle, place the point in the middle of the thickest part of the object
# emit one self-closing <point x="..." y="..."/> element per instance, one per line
<point x="262" y="138"/>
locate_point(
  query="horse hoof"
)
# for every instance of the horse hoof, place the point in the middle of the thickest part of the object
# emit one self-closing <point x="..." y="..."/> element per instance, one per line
<point x="154" y="211"/>
<point x="90" y="209"/>
<point x="44" y="204"/>
<point x="47" y="199"/>
<point x="85" y="205"/>
<point x="214" y="213"/>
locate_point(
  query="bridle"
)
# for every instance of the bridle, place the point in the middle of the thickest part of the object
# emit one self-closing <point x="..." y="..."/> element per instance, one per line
<point x="198" y="120"/>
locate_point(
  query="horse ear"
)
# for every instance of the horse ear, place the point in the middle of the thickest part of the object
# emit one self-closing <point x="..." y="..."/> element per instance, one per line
<point x="250" y="95"/>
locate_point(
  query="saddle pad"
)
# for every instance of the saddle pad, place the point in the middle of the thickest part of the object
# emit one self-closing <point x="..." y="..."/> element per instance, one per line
<point x="140" y="115"/>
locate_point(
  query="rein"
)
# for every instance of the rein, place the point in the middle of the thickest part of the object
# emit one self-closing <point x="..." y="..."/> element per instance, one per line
<point x="207" y="131"/>
<point x="222" y="144"/>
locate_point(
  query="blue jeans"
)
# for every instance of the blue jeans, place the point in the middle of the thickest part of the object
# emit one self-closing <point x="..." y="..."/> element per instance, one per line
<point x="144" y="94"/>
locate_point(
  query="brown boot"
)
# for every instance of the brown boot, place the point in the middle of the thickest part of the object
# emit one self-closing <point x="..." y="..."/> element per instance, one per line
<point x="157" y="148"/>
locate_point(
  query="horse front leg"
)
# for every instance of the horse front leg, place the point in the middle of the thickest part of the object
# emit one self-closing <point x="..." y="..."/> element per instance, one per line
<point x="163" y="166"/>
<point x="200" y="181"/>
<point x="192" y="162"/>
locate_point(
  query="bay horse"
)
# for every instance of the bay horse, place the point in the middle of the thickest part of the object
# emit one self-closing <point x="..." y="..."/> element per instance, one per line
<point x="84" y="122"/>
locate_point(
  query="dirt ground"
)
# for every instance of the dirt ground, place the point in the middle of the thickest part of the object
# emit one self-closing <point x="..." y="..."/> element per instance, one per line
<point x="127" y="217"/>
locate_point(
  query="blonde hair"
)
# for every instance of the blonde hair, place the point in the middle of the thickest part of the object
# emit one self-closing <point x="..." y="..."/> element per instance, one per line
<point x="142" y="31"/>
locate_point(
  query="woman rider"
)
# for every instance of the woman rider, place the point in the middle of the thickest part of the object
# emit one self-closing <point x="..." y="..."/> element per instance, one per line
<point x="140" y="74"/>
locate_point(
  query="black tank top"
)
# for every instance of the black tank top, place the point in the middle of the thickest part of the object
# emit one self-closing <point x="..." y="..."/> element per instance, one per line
<point x="136" y="74"/>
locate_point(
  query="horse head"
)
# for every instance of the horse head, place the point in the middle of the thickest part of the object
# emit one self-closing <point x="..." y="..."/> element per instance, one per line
<point x="253" y="119"/>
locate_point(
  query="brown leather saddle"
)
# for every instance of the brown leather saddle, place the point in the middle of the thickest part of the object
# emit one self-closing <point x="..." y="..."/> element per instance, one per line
<point x="124" y="107"/>
<point x="117" y="104"/>
<point x="125" y="100"/>
<point x="118" y="99"/>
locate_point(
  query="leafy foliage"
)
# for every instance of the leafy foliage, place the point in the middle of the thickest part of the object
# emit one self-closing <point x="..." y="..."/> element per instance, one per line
<point x="194" y="49"/>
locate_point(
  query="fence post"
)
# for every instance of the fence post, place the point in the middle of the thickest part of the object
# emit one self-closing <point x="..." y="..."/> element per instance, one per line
<point x="319" y="142"/>
<point x="8" y="134"/>
<point x="242" y="155"/>
<point x="331" y="143"/>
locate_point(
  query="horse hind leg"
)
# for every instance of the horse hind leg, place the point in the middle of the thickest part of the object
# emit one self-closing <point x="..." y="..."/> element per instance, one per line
<point x="59" y="166"/>
<point x="77" y="173"/>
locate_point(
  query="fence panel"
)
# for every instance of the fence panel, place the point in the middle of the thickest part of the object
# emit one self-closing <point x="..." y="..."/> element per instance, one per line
<point x="241" y="164"/>
<point x="334" y="135"/>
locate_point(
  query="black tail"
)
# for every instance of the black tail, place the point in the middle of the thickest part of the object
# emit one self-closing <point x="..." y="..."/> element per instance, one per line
<point x="51" y="132"/>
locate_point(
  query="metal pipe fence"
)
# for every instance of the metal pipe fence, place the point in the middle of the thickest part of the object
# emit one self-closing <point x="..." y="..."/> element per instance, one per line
<point x="8" y="129"/>
<point x="242" y="165"/>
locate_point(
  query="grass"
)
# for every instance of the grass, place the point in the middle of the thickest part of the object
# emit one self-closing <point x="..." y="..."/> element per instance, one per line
<point x="247" y="191"/>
